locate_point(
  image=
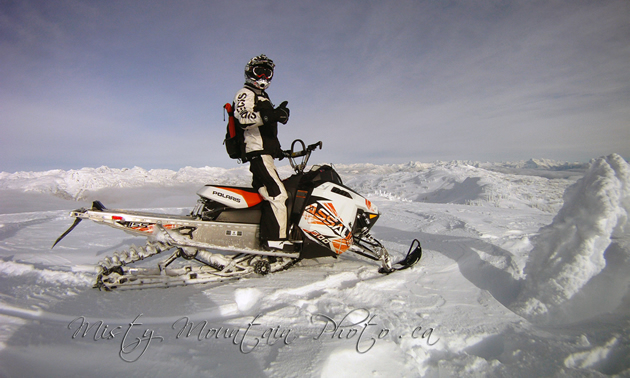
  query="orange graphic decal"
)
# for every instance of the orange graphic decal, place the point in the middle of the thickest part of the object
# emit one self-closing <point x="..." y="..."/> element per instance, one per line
<point x="370" y="207"/>
<point x="342" y="244"/>
<point x="325" y="214"/>
<point x="251" y="198"/>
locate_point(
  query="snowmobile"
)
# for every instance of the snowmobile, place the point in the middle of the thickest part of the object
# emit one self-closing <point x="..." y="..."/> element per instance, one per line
<point x="221" y="234"/>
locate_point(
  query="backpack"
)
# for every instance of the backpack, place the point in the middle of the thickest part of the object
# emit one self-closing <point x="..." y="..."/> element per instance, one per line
<point x="234" y="137"/>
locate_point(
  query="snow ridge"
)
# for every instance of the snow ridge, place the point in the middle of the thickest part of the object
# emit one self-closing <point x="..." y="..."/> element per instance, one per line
<point x="74" y="184"/>
<point x="573" y="248"/>
<point x="457" y="182"/>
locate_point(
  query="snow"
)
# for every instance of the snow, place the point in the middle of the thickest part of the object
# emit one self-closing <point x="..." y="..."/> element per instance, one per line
<point x="525" y="272"/>
<point x="571" y="250"/>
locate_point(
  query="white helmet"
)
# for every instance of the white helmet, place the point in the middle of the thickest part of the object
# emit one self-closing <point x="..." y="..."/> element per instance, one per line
<point x="259" y="71"/>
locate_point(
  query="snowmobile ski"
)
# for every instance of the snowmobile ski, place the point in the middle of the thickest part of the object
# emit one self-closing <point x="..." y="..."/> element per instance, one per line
<point x="76" y="222"/>
<point x="413" y="256"/>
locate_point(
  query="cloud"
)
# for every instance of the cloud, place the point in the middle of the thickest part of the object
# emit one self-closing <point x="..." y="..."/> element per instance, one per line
<point x="378" y="82"/>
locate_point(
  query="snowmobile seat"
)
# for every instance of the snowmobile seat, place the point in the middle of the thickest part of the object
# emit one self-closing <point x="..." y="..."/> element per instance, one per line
<point x="235" y="197"/>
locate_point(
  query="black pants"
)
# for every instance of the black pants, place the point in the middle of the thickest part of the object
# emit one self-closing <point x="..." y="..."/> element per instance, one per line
<point x="273" y="224"/>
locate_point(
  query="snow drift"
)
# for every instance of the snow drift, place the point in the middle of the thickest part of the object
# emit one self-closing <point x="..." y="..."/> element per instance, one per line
<point x="577" y="269"/>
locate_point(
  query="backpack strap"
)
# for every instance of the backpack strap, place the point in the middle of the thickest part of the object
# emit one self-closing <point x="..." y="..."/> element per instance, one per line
<point x="231" y="121"/>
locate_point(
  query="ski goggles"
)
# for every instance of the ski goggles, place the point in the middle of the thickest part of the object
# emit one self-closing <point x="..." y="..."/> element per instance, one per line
<point x="262" y="72"/>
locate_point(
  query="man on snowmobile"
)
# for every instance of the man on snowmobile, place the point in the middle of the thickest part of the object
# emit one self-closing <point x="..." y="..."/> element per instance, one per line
<point x="259" y="119"/>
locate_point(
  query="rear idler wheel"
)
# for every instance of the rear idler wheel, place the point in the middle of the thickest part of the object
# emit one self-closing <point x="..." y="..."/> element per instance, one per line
<point x="262" y="267"/>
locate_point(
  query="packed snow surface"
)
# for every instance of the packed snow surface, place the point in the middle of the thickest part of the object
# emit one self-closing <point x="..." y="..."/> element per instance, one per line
<point x="525" y="272"/>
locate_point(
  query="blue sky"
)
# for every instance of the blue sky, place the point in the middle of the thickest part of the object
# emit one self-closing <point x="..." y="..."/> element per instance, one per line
<point x="142" y="83"/>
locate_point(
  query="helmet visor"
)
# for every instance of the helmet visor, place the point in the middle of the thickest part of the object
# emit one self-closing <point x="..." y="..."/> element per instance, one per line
<point x="262" y="72"/>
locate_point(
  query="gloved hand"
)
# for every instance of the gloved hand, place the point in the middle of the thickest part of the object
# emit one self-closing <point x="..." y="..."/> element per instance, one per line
<point x="266" y="111"/>
<point x="282" y="113"/>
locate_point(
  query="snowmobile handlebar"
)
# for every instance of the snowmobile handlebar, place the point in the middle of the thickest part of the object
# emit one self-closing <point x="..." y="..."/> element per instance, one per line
<point x="304" y="152"/>
<point x="292" y="153"/>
